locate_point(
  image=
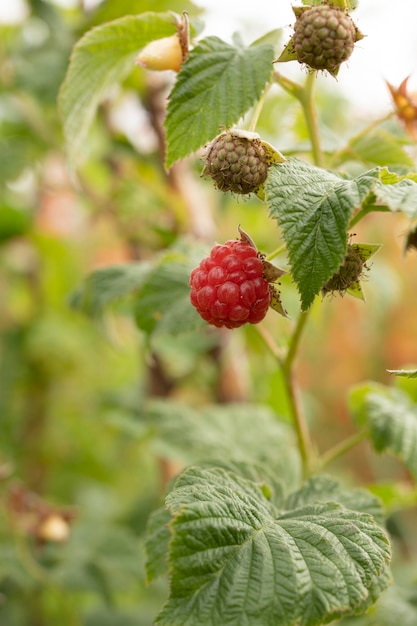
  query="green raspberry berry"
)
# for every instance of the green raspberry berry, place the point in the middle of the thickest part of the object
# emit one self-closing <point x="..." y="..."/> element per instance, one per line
<point x="324" y="37"/>
<point x="348" y="273"/>
<point x="237" y="162"/>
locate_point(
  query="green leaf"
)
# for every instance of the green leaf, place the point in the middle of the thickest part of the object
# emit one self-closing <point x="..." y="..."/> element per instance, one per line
<point x="13" y="222"/>
<point x="238" y="432"/>
<point x="163" y="301"/>
<point x="101" y="59"/>
<point x="217" y="84"/>
<point x="235" y="559"/>
<point x="102" y="287"/>
<point x="404" y="373"/>
<point x="379" y="148"/>
<point x="326" y="489"/>
<point x="392" y="420"/>
<point x="157" y="539"/>
<point x="398" y="196"/>
<point x="397" y="606"/>
<point x="313" y="208"/>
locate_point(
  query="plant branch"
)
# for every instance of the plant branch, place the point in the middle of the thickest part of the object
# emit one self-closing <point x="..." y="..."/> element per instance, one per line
<point x="342" y="447"/>
<point x="293" y="393"/>
<point x="305" y="96"/>
<point x="258" y="108"/>
<point x="286" y="364"/>
<point x="276" y="252"/>
<point x="295" y="339"/>
<point x="310" y="115"/>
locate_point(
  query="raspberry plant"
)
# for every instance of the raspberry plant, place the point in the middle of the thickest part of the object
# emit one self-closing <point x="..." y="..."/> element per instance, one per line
<point x="256" y="533"/>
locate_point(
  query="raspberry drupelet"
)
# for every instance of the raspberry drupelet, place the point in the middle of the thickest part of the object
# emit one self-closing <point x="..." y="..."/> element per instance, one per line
<point x="228" y="288"/>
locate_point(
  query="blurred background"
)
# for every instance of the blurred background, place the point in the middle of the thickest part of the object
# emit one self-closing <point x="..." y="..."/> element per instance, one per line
<point x="80" y="467"/>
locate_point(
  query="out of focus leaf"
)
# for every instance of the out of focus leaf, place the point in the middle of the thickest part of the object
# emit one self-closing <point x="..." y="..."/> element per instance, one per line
<point x="104" y="286"/>
<point x="100" y="60"/>
<point x="392" y="421"/>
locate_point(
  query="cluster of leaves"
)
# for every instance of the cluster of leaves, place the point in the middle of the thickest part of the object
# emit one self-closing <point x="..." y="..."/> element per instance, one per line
<point x="241" y="538"/>
<point x="239" y="545"/>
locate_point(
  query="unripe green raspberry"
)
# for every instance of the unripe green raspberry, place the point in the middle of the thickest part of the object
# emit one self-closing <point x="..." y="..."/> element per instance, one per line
<point x="324" y="37"/>
<point x="237" y="161"/>
<point x="348" y="273"/>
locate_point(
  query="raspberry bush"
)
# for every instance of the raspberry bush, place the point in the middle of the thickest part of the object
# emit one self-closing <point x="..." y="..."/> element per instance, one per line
<point x="244" y="524"/>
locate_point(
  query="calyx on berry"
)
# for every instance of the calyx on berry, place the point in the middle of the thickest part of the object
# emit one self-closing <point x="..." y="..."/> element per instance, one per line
<point x="238" y="161"/>
<point x="347" y="278"/>
<point x="324" y="37"/>
<point x="234" y="285"/>
<point x="167" y="53"/>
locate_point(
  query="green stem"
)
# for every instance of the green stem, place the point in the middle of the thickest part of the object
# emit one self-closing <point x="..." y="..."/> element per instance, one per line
<point x="305" y="95"/>
<point x="300" y="423"/>
<point x="276" y="252"/>
<point x="294" y="399"/>
<point x="258" y="108"/>
<point x="342" y="447"/>
<point x="286" y="364"/>
<point x="310" y="115"/>
<point x="295" y="339"/>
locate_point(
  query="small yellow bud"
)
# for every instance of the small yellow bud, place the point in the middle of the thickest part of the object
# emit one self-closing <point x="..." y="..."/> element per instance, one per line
<point x="53" y="528"/>
<point x="162" y="54"/>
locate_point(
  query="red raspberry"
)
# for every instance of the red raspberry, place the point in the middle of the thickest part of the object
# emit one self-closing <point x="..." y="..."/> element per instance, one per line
<point x="228" y="287"/>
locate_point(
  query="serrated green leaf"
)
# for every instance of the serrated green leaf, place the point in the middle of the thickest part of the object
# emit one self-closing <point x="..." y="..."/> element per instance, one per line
<point x="235" y="559"/>
<point x="392" y="421"/>
<point x="325" y="489"/>
<point x="217" y="84"/>
<point x="157" y="539"/>
<point x="398" y="196"/>
<point x="313" y="208"/>
<point x="404" y="373"/>
<point x="104" y="286"/>
<point x="101" y="59"/>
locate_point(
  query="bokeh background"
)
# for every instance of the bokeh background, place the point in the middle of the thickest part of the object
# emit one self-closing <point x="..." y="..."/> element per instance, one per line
<point x="79" y="469"/>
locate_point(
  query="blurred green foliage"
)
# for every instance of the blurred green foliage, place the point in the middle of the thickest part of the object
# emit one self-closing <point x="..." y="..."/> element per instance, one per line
<point x="79" y="445"/>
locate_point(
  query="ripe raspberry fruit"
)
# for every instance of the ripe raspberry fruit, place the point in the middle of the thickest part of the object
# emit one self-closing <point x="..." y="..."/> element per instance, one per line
<point x="237" y="161"/>
<point x="228" y="287"/>
<point x="324" y="37"/>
